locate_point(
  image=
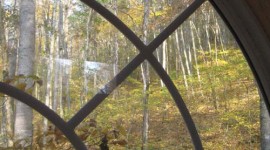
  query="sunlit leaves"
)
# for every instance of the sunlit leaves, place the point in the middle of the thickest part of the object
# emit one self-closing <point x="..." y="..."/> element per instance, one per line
<point x="21" y="82"/>
<point x="21" y="86"/>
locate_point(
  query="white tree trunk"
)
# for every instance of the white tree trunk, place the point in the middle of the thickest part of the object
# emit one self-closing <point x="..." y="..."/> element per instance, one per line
<point x="2" y="35"/>
<point x="164" y="58"/>
<point x="60" y="87"/>
<point x="265" y="125"/>
<point x="116" y="49"/>
<point x="207" y="19"/>
<point x="180" y="59"/>
<point x="195" y="56"/>
<point x="146" y="80"/>
<point x="195" y="52"/>
<point x="12" y="62"/>
<point x="185" y="51"/>
<point x="24" y="115"/>
<point x="54" y="47"/>
<point x="56" y="87"/>
<point x="49" y="41"/>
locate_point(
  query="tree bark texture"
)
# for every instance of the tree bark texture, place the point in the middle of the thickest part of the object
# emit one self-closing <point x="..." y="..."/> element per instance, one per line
<point x="146" y="80"/>
<point x="265" y="125"/>
<point x="24" y="114"/>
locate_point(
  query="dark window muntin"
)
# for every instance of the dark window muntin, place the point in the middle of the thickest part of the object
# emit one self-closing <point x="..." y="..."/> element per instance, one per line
<point x="146" y="53"/>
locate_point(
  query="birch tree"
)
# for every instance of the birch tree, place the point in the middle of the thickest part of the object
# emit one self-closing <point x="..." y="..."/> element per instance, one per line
<point x="62" y="49"/>
<point x="146" y="80"/>
<point x="2" y="31"/>
<point x="2" y="36"/>
<point x="265" y="125"/>
<point x="4" y="73"/>
<point x="24" y="115"/>
<point x="115" y="47"/>
<point x="4" y="108"/>
<point x="49" y="40"/>
<point x="63" y="53"/>
<point x="12" y="62"/>
<point x="56" y="67"/>
<point x="178" y="52"/>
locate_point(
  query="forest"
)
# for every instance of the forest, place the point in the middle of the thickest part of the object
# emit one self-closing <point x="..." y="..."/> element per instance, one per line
<point x="63" y="53"/>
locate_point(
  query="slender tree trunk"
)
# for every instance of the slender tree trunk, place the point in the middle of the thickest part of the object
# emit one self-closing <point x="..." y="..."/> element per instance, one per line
<point x="207" y="16"/>
<point x="3" y="49"/>
<point x="195" y="55"/>
<point x="60" y="90"/>
<point x="89" y="52"/>
<point x="145" y="75"/>
<point x="184" y="50"/>
<point x="47" y="26"/>
<point x="116" y="49"/>
<point x="215" y="32"/>
<point x="24" y="115"/>
<point x="12" y="58"/>
<point x="56" y="87"/>
<point x="158" y="55"/>
<point x="146" y="80"/>
<point x="3" y="130"/>
<point x="48" y="94"/>
<point x="54" y="48"/>
<point x="190" y="59"/>
<point x="2" y="29"/>
<point x="3" y="121"/>
<point x="194" y="51"/>
<point x="61" y="34"/>
<point x="164" y="58"/>
<point x="67" y="89"/>
<point x="216" y="48"/>
<point x="219" y="35"/>
<point x="49" y="51"/>
<point x="197" y="32"/>
<point x="63" y="54"/>
<point x="265" y="125"/>
<point x="180" y="59"/>
<point x="62" y="45"/>
<point x="86" y="55"/>
<point x="9" y="53"/>
<point x="85" y="84"/>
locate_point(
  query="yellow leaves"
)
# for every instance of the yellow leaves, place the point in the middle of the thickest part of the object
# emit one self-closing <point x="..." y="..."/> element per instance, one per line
<point x="24" y="83"/>
<point x="164" y="12"/>
<point x="30" y="90"/>
<point x="21" y="86"/>
<point x="122" y="130"/>
<point x="136" y="15"/>
<point x="122" y="142"/>
<point x="221" y="62"/>
<point x="94" y="133"/>
<point x="105" y="130"/>
<point x="110" y="106"/>
<point x="36" y="79"/>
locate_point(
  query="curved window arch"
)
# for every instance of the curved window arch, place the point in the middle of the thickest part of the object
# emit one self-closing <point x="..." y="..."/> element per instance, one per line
<point x="145" y="53"/>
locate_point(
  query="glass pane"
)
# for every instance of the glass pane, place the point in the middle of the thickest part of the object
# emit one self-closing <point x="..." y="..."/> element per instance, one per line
<point x="70" y="82"/>
<point x="120" y="117"/>
<point x="161" y="13"/>
<point x="78" y="52"/>
<point x="212" y="75"/>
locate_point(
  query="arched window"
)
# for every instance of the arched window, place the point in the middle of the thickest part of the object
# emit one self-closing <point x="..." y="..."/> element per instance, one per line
<point x="157" y="48"/>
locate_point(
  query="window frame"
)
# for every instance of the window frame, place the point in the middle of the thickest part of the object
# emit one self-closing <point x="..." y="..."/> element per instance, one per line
<point x="243" y="24"/>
